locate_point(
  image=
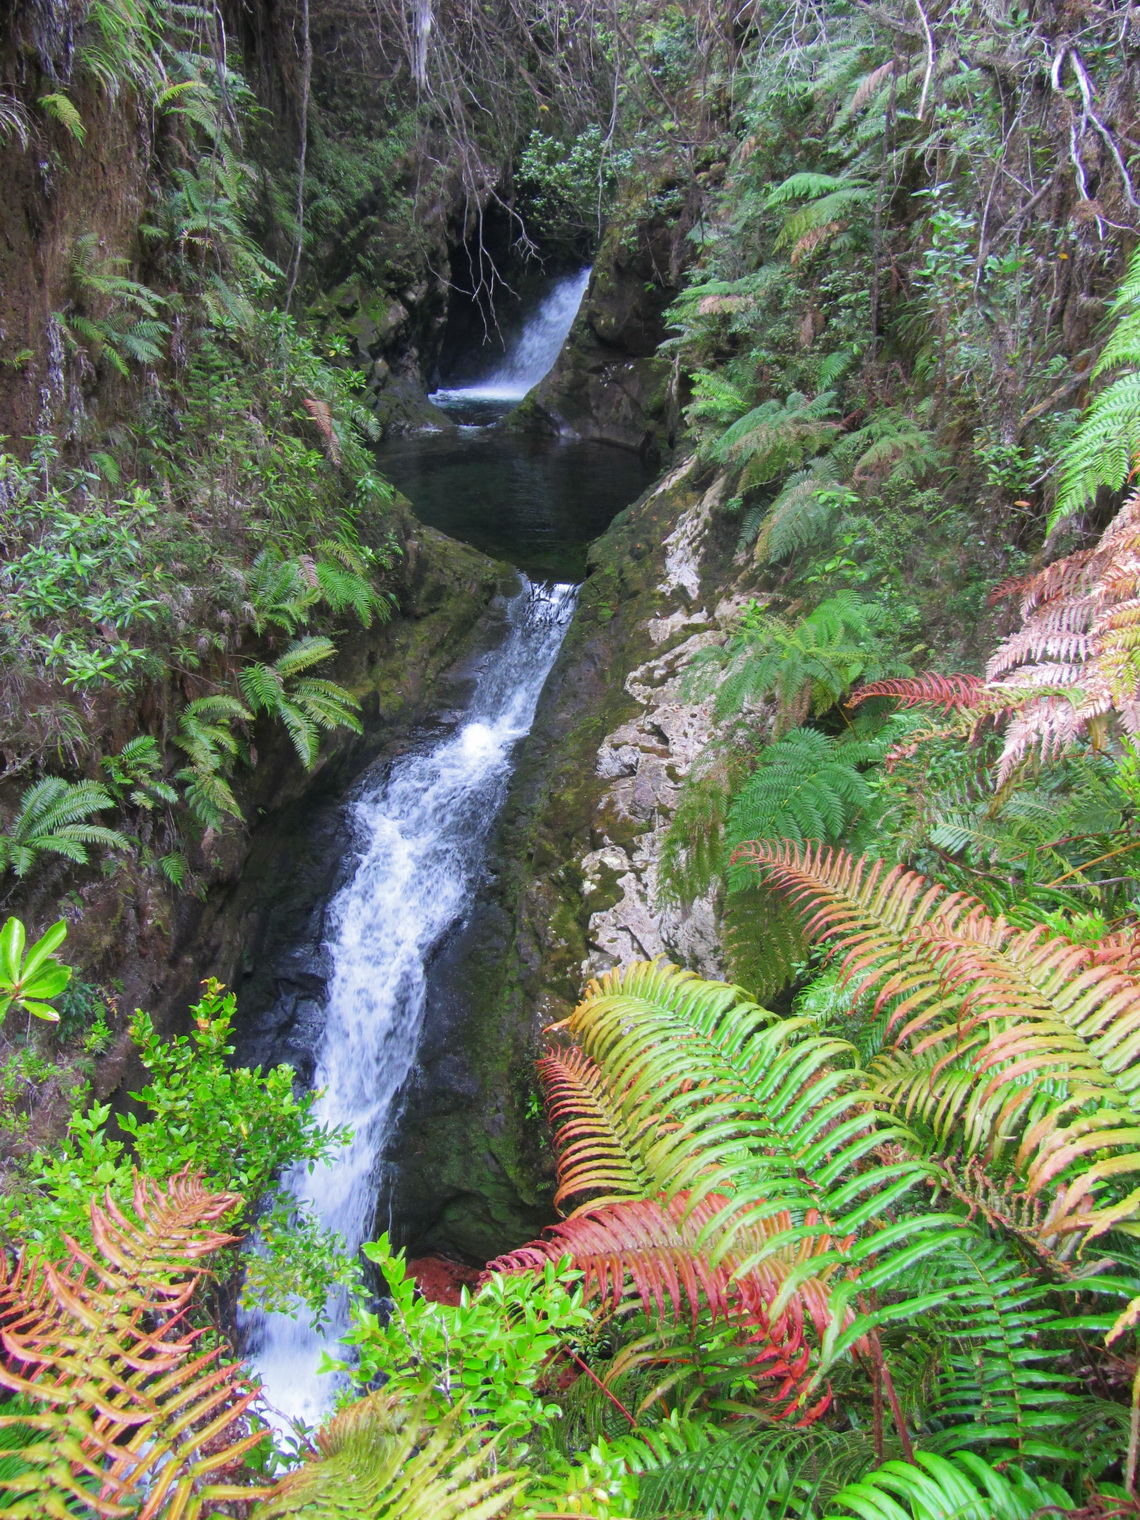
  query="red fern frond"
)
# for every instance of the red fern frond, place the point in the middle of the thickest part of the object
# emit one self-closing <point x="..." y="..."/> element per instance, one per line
<point x="927" y="690"/>
<point x="676" y="1254"/>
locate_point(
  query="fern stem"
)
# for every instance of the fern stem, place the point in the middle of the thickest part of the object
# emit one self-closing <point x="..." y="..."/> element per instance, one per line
<point x="590" y="1373"/>
<point x="1133" y="1436"/>
<point x="882" y="1372"/>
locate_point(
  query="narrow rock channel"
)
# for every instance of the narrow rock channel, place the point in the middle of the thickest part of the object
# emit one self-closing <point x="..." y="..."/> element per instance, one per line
<point x="418" y="825"/>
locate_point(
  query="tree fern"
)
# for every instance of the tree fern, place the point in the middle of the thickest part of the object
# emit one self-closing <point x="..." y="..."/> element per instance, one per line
<point x="807" y="665"/>
<point x="304" y="704"/>
<point x="830" y="202"/>
<point x="801" y="514"/>
<point x="692" y="854"/>
<point x="763" y="939"/>
<point x="777" y="436"/>
<point x="806" y="785"/>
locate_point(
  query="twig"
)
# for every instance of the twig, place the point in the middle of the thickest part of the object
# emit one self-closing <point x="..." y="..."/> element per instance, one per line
<point x="306" y="81"/>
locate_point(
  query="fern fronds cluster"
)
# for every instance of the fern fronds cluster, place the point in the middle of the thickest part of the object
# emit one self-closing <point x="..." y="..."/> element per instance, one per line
<point x="132" y="1418"/>
<point x="726" y="1160"/>
<point x="1103" y="450"/>
<point x="1071" y="672"/>
<point x="777" y="436"/>
<point x="378" y="1458"/>
<point x="1013" y="1043"/>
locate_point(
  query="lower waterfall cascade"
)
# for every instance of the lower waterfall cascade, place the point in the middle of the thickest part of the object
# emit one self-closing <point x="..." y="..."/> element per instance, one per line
<point x="422" y="831"/>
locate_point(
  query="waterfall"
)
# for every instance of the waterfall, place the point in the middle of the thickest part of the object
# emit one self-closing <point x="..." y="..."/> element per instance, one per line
<point x="532" y="355"/>
<point x="422" y="832"/>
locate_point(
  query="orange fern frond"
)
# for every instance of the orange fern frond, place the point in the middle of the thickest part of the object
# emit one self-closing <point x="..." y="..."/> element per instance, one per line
<point x="950" y="693"/>
<point x="134" y="1419"/>
<point x="1015" y="1034"/>
<point x="321" y="413"/>
<point x="594" y="1154"/>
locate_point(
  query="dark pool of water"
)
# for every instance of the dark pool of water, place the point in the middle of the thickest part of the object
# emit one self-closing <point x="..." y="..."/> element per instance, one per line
<point x="535" y="502"/>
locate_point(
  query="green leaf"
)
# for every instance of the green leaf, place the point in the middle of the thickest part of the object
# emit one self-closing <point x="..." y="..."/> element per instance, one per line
<point x="11" y="949"/>
<point x="46" y="945"/>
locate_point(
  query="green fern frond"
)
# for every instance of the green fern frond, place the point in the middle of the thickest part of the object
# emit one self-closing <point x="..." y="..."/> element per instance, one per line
<point x="776" y="436"/>
<point x="800" y="515"/>
<point x="379" y="1459"/>
<point x="763" y="939"/>
<point x="61" y="108"/>
<point x="805" y="786"/>
<point x="1103" y="449"/>
<point x="958" y="1487"/>
<point x="302" y="655"/>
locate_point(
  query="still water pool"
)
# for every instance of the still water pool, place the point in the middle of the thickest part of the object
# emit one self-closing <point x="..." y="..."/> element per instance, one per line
<point x="534" y="502"/>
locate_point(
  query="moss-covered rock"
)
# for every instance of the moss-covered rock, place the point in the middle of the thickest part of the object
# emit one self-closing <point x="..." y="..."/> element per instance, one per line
<point x="609" y="382"/>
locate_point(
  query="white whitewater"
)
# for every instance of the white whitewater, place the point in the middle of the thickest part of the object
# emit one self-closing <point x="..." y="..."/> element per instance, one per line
<point x="422" y="835"/>
<point x="531" y="357"/>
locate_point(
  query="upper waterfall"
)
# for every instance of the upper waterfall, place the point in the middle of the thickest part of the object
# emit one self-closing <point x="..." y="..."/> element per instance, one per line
<point x="531" y="356"/>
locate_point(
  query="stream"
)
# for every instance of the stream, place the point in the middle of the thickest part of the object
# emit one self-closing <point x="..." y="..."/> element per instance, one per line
<point x="420" y="825"/>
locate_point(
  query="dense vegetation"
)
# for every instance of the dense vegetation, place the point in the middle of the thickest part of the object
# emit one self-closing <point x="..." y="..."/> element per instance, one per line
<point x="855" y="1236"/>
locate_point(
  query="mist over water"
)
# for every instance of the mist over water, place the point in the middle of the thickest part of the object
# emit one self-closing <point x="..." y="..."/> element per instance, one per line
<point x="422" y="831"/>
<point x="531" y="357"/>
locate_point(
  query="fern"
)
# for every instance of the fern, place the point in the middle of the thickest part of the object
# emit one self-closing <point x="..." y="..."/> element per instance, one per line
<point x="716" y="399"/>
<point x="379" y="1459"/>
<point x="801" y="514"/>
<point x="777" y="436"/>
<point x="61" y="108"/>
<point x="1102" y="451"/>
<point x="692" y="854"/>
<point x="994" y="1383"/>
<point x="807" y="666"/>
<point x="892" y="448"/>
<point x="303" y="703"/>
<point x="751" y="1147"/>
<point x="950" y="693"/>
<point x="132" y="1417"/>
<point x="958" y="1487"/>
<point x="732" y="1480"/>
<point x="763" y="939"/>
<point x="806" y="785"/>
<point x="14" y="120"/>
<point x="830" y="202"/>
<point x="52" y="819"/>
<point x="207" y="738"/>
<point x="1048" y="1025"/>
